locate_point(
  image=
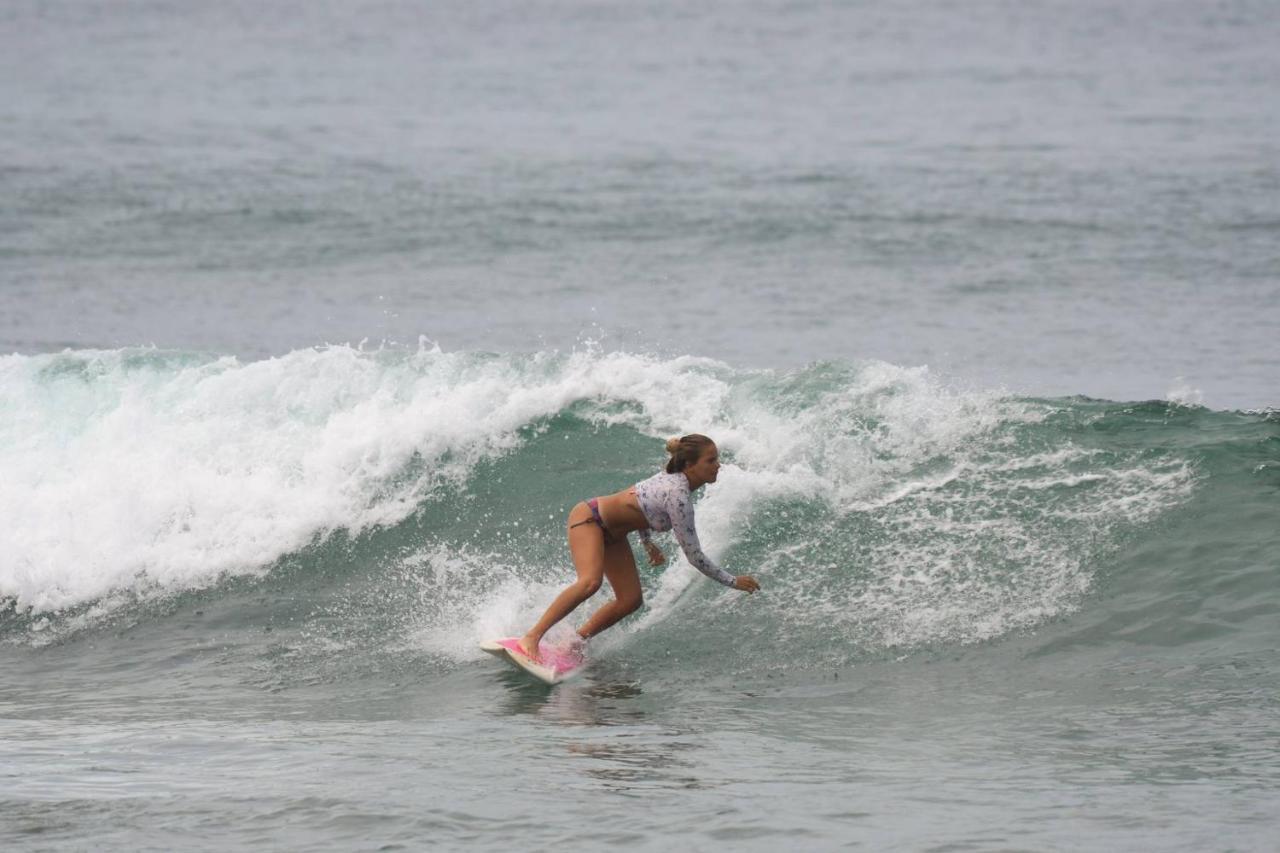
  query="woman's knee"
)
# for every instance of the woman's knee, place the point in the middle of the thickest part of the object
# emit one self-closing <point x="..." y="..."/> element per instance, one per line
<point x="588" y="586"/>
<point x="631" y="603"/>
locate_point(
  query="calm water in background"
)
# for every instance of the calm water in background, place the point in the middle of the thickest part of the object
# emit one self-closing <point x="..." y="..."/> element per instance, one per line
<point x="243" y="575"/>
<point x="1068" y="198"/>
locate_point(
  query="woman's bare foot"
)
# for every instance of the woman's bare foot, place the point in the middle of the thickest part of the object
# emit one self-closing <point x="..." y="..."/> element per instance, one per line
<point x="529" y="645"/>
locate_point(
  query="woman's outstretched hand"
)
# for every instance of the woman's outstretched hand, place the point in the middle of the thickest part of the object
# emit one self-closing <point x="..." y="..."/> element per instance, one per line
<point x="656" y="557"/>
<point x="746" y="583"/>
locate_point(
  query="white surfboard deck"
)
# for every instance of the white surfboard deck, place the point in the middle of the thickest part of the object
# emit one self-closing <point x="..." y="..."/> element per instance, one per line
<point x="556" y="666"/>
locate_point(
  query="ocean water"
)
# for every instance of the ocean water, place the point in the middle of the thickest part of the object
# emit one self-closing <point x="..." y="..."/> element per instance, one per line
<point x="316" y="319"/>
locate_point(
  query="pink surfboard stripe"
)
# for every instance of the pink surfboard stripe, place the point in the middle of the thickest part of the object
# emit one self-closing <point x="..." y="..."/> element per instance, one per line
<point x="561" y="660"/>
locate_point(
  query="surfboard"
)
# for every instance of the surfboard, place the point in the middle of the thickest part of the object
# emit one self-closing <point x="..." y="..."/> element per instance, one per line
<point x="556" y="664"/>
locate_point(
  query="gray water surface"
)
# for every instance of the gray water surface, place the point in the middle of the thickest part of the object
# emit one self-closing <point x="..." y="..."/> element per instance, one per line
<point x="1065" y="198"/>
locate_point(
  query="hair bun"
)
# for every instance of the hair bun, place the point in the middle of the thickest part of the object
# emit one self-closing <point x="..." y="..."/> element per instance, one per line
<point x="673" y="444"/>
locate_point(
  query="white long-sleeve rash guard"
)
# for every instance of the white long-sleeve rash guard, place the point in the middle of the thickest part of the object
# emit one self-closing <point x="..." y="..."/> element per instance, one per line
<point x="665" y="501"/>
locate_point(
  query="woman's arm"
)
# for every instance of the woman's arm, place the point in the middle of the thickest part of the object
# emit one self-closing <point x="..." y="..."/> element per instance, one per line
<point x="682" y="526"/>
<point x="656" y="557"/>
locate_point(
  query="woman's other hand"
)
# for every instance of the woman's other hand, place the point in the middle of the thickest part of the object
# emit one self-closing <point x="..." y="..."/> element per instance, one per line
<point x="746" y="583"/>
<point x="656" y="557"/>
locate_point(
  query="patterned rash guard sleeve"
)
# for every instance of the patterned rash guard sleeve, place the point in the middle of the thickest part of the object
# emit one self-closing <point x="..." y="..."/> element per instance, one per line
<point x="681" y="511"/>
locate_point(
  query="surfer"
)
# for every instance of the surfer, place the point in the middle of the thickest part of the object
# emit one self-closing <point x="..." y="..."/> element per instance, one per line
<point x="598" y="531"/>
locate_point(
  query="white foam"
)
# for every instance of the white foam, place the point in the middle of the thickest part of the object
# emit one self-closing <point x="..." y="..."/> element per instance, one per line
<point x="1183" y="393"/>
<point x="124" y="472"/>
<point x="465" y="598"/>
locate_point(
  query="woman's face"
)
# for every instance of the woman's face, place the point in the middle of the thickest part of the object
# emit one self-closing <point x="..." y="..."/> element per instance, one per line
<point x="707" y="466"/>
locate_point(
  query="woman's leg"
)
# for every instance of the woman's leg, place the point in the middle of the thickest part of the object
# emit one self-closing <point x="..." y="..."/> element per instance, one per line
<point x="586" y="544"/>
<point x="620" y="569"/>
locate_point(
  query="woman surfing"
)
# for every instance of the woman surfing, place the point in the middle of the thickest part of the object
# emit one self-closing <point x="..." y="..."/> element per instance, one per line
<point x="598" y="531"/>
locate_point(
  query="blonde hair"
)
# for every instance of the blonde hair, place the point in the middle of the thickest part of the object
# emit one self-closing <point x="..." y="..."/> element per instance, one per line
<point x="686" y="450"/>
